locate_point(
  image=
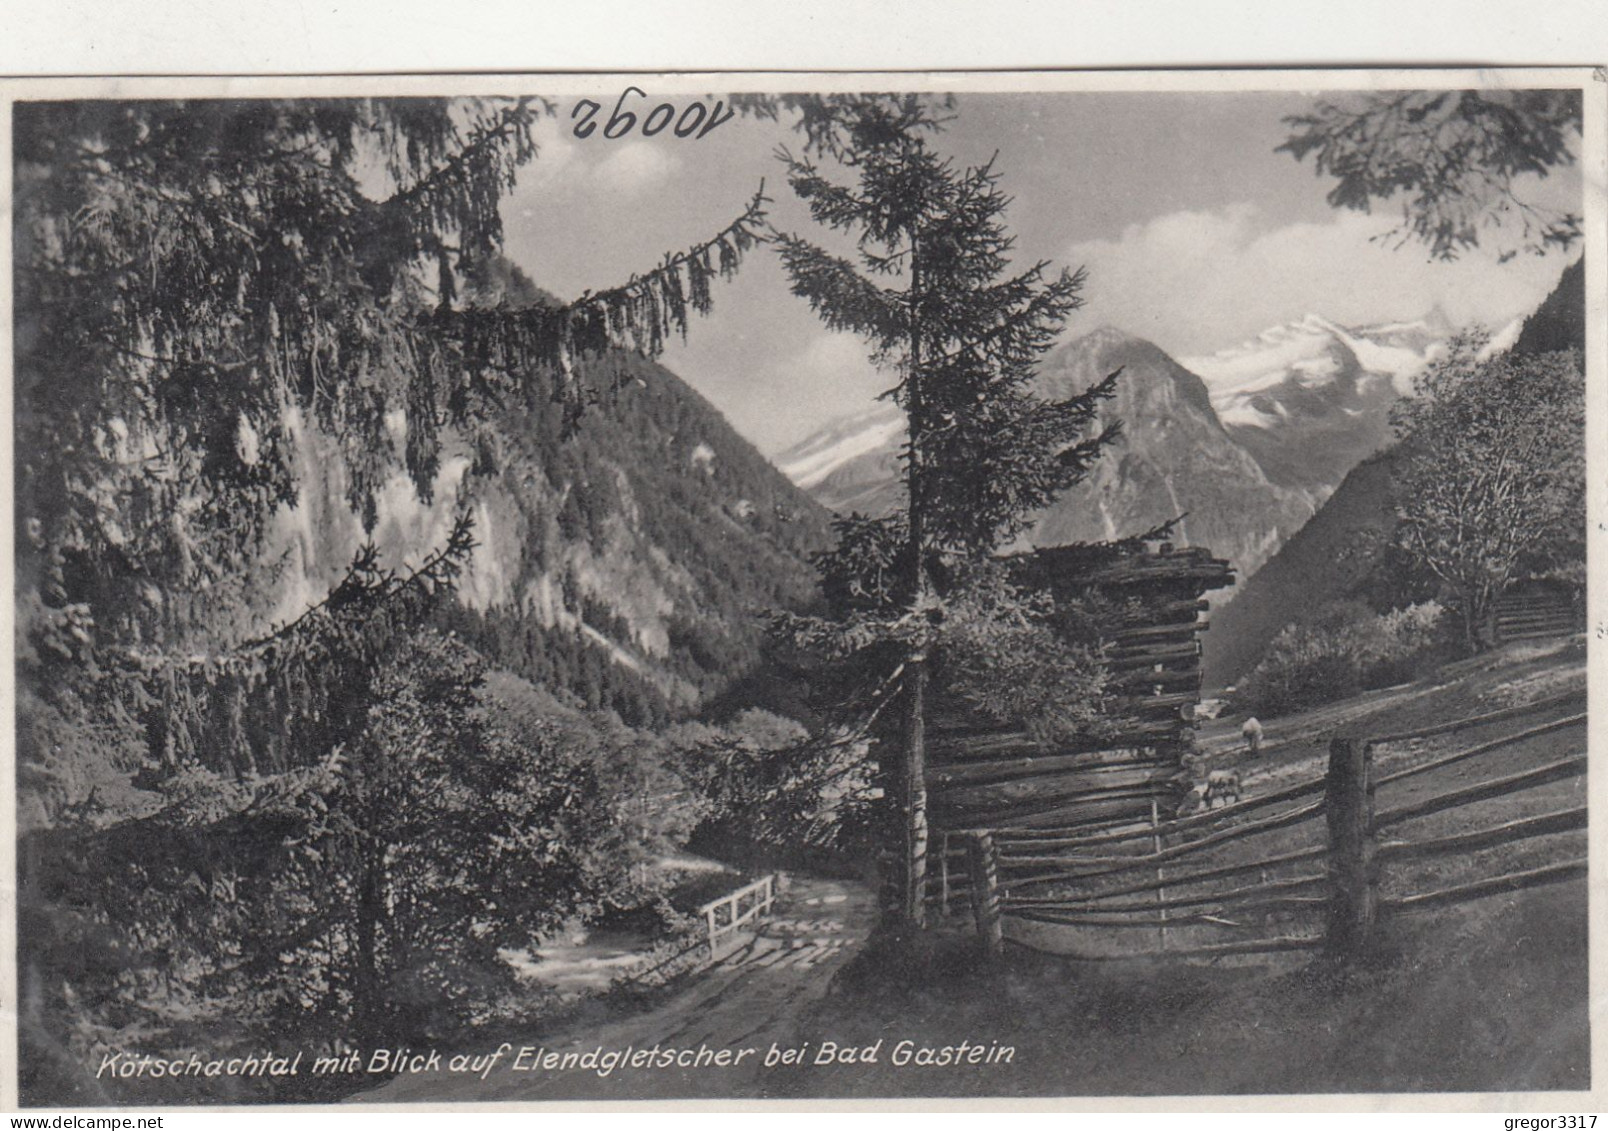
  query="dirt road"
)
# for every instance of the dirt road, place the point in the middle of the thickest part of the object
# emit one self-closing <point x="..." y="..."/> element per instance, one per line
<point x="750" y="1000"/>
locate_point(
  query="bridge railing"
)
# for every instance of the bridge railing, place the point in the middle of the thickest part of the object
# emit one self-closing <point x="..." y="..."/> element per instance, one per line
<point x="725" y="918"/>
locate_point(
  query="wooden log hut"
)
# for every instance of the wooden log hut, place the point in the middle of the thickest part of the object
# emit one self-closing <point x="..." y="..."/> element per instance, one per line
<point x="1150" y="611"/>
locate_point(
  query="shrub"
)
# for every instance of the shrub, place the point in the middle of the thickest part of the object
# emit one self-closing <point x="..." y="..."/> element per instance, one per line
<point x="1346" y="648"/>
<point x="1012" y="656"/>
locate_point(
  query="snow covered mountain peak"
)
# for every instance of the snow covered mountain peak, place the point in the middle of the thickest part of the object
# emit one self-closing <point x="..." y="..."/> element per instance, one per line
<point x="1311" y="397"/>
<point x="1311" y="353"/>
<point x="841" y="442"/>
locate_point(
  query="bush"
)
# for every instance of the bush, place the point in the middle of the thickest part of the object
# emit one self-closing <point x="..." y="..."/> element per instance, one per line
<point x="1006" y="653"/>
<point x="1347" y="648"/>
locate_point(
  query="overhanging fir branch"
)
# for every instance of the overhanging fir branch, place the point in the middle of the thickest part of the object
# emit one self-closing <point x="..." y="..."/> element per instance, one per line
<point x="364" y="591"/>
<point x="463" y="193"/>
<point x="642" y="314"/>
<point x="843" y="298"/>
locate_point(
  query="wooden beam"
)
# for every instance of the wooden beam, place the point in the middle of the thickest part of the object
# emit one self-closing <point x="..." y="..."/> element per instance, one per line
<point x="1484" y="747"/>
<point x="1565" y="820"/>
<point x="1178" y="654"/>
<point x="1166" y="612"/>
<point x="953" y="775"/>
<point x="1237" y="895"/>
<point x="1185" y="879"/>
<point x="1079" y="805"/>
<point x="1496" y="885"/>
<point x="1249" y="946"/>
<point x="1133" y="744"/>
<point x="1496" y="787"/>
<point x="1049" y="788"/>
<point x="1126" y="864"/>
<point x="1153" y="704"/>
<point x="1576" y="695"/>
<point x="1075" y="814"/>
<point x="1189" y="679"/>
<point x="1049" y="839"/>
<point x="1180" y="631"/>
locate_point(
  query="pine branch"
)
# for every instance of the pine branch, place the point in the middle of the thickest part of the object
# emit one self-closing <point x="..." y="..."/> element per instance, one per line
<point x="364" y="588"/>
<point x="641" y="314"/>
<point x="730" y="242"/>
<point x="843" y="298"/>
<point x="481" y="149"/>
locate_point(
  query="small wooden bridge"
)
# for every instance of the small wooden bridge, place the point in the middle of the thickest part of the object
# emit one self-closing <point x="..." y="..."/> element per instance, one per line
<point x="726" y="917"/>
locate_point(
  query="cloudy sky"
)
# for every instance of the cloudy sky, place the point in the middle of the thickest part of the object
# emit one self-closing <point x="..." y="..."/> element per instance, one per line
<point x="1195" y="234"/>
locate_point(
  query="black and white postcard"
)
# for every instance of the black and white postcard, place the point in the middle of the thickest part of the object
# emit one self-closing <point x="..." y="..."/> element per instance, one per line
<point x="1030" y="586"/>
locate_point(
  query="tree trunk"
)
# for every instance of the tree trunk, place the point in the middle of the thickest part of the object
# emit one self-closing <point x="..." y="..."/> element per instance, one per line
<point x="914" y="771"/>
<point x="1471" y="627"/>
<point x="367" y="990"/>
<point x="915" y="793"/>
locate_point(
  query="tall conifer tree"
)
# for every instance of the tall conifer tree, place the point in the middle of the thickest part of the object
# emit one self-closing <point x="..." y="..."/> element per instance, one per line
<point x="211" y="294"/>
<point x="933" y="291"/>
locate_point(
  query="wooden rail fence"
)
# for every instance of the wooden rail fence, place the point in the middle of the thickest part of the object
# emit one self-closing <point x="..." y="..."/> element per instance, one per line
<point x="1320" y="886"/>
<point x="1533" y="609"/>
<point x="724" y="918"/>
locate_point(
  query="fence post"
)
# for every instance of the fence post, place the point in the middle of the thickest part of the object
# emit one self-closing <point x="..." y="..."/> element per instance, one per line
<point x="984" y="866"/>
<point x="1349" y="810"/>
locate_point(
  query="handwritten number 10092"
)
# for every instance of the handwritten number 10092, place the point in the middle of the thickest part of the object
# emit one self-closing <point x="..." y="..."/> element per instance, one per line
<point x="695" y="120"/>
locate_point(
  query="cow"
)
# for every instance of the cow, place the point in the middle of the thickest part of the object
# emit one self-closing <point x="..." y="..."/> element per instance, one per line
<point x="1251" y="731"/>
<point x="1222" y="788"/>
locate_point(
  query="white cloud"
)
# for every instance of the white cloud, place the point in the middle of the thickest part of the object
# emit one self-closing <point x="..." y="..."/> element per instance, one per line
<point x="833" y="376"/>
<point x="635" y="166"/>
<point x="1198" y="281"/>
<point x="843" y="360"/>
<point x="555" y="150"/>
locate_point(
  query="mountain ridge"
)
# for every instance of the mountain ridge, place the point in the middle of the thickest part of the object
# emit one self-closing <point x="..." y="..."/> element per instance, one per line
<point x="1248" y="451"/>
<point x="1311" y="398"/>
<point x="1344" y="550"/>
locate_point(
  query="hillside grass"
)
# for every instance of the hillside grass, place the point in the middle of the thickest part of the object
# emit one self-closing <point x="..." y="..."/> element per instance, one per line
<point x="1482" y="998"/>
<point x="1490" y="995"/>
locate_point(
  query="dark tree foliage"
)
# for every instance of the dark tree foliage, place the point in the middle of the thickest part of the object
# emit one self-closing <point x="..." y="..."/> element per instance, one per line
<point x="1559" y="323"/>
<point x="364" y="898"/>
<point x="195" y="278"/>
<point x="1452" y="159"/>
<point x="1490" y="485"/>
<point x="203" y="283"/>
<point x="210" y="294"/>
<point x="553" y="658"/>
<point x="934" y="292"/>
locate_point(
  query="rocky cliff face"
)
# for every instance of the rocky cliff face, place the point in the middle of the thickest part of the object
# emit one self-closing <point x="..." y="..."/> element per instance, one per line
<point x="1176" y="458"/>
<point x="633" y="561"/>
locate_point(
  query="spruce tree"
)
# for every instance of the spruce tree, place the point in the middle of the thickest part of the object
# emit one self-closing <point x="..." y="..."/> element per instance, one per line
<point x="210" y="295"/>
<point x="203" y="286"/>
<point x="935" y="294"/>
